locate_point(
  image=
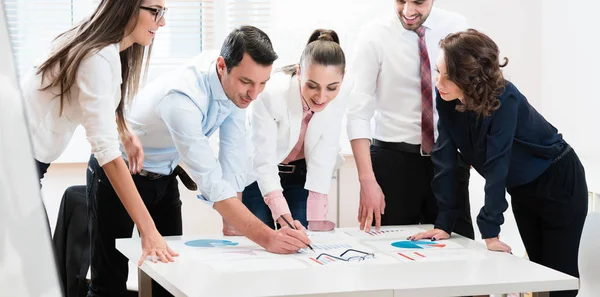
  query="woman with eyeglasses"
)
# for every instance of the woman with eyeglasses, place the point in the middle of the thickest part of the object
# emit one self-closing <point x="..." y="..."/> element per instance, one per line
<point x="92" y="71"/>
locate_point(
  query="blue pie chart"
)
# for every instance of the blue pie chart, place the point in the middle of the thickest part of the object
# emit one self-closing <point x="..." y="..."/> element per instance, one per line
<point x="210" y="243"/>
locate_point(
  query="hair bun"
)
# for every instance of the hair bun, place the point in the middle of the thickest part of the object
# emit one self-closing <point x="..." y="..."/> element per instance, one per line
<point x="324" y="35"/>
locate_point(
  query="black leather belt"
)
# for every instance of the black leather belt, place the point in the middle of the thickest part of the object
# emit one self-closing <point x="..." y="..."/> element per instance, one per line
<point x="400" y="146"/>
<point x="295" y="167"/>
<point x="150" y="175"/>
<point x="187" y="181"/>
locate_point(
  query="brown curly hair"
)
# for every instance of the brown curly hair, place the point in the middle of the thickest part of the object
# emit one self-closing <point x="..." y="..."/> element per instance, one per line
<point x="472" y="63"/>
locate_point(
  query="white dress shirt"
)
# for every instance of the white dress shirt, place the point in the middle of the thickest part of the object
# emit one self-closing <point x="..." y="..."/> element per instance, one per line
<point x="92" y="102"/>
<point x="387" y="82"/>
<point x="175" y="114"/>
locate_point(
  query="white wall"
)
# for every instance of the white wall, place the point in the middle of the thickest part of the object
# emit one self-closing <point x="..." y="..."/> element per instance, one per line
<point x="570" y="76"/>
<point x="515" y="25"/>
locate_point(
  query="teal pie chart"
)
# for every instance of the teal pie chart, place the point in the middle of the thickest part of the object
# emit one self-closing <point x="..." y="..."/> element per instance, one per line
<point x="408" y="244"/>
<point x="210" y="243"/>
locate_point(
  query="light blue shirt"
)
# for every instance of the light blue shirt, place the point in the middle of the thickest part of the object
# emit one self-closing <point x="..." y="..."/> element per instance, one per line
<point x="176" y="114"/>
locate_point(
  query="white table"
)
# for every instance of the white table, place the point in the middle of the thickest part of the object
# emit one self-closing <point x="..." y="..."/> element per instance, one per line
<point x="494" y="273"/>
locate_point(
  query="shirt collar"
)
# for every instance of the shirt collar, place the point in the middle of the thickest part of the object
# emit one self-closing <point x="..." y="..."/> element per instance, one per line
<point x="431" y="23"/>
<point x="215" y="84"/>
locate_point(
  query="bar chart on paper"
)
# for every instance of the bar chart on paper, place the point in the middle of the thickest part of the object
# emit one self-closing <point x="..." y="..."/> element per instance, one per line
<point x="384" y="233"/>
<point x="323" y="260"/>
<point x="330" y="246"/>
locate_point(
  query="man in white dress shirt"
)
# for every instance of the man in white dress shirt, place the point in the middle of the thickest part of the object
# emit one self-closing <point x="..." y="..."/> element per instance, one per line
<point x="395" y="59"/>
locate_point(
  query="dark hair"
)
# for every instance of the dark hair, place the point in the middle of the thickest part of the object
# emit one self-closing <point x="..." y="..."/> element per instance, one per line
<point x="472" y="62"/>
<point x="322" y="48"/>
<point x="251" y="40"/>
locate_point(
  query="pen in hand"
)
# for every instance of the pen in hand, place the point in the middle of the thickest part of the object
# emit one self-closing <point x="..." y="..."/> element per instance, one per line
<point x="294" y="228"/>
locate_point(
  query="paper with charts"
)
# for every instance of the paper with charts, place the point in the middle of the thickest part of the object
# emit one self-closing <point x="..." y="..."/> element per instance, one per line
<point x="240" y="254"/>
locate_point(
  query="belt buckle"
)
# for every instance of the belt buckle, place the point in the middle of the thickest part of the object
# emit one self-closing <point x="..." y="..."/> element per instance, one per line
<point x="423" y="154"/>
<point x="293" y="168"/>
<point x="150" y="175"/>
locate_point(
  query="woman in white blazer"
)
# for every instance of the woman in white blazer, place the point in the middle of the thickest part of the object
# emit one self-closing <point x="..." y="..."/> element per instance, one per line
<point x="92" y="70"/>
<point x="295" y="137"/>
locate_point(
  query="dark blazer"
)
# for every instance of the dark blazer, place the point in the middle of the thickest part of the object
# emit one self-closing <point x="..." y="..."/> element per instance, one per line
<point x="511" y="147"/>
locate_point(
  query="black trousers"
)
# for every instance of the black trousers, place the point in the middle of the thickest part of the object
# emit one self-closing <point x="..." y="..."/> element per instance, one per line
<point x="405" y="179"/>
<point x="293" y="190"/>
<point x="71" y="242"/>
<point x="42" y="168"/>
<point x="550" y="212"/>
<point x="108" y="220"/>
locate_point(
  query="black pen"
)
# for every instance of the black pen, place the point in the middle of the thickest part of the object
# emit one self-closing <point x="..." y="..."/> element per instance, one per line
<point x="294" y="228"/>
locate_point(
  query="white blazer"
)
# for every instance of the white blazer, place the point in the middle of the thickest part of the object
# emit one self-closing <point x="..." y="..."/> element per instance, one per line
<point x="275" y="125"/>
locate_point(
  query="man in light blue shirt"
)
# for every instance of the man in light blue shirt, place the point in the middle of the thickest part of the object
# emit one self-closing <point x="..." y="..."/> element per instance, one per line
<point x="173" y="117"/>
<point x="176" y="114"/>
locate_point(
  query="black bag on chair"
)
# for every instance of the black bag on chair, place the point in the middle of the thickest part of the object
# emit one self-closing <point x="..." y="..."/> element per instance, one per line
<point x="71" y="242"/>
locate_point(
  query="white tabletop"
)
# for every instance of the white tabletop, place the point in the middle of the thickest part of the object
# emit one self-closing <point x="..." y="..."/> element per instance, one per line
<point x="197" y="273"/>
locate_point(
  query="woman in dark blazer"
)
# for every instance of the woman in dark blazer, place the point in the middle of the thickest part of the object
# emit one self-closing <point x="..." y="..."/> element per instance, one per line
<point x="514" y="148"/>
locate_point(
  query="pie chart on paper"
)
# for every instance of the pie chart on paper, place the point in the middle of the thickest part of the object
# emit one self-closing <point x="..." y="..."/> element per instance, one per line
<point x="417" y="244"/>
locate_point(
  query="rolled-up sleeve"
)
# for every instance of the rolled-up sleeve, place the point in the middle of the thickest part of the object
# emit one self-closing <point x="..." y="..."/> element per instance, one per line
<point x="184" y="122"/>
<point x="233" y="149"/>
<point x="365" y="69"/>
<point x="98" y="87"/>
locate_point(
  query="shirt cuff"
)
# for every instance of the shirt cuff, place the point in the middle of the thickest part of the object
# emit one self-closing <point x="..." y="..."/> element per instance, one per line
<point x="487" y="230"/>
<point x="105" y="157"/>
<point x="317" y="205"/>
<point x="445" y="221"/>
<point x="358" y="129"/>
<point x="277" y="204"/>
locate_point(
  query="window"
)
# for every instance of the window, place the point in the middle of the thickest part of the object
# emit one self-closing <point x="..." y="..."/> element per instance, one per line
<point x="25" y="20"/>
<point x="249" y="12"/>
<point x="189" y="30"/>
<point x="34" y="24"/>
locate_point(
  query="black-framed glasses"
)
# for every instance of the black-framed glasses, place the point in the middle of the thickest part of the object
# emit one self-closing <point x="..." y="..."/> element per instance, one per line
<point x="358" y="256"/>
<point x="159" y="13"/>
